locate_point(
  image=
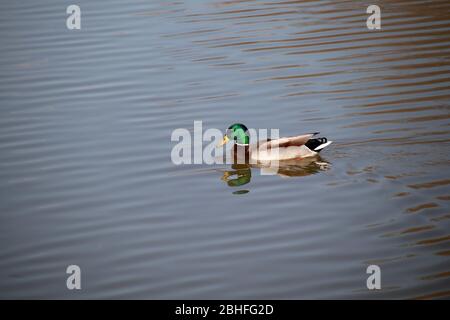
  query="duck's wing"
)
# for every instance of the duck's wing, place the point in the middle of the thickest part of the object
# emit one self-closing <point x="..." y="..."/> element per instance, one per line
<point x="287" y="141"/>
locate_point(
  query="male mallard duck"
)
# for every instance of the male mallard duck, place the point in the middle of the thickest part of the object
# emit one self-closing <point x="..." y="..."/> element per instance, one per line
<point x="288" y="148"/>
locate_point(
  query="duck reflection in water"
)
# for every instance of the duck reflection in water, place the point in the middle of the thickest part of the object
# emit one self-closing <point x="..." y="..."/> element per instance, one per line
<point x="241" y="174"/>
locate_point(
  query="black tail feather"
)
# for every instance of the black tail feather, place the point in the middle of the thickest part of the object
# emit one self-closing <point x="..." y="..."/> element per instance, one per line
<point x="314" y="143"/>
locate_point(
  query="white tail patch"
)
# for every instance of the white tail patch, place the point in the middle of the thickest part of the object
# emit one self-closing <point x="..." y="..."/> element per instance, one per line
<point x="323" y="145"/>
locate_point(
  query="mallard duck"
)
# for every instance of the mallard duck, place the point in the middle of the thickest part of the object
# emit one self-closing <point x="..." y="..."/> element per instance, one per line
<point x="288" y="148"/>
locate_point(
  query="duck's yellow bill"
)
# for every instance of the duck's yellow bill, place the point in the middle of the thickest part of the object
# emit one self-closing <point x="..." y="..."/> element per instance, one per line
<point x="224" y="141"/>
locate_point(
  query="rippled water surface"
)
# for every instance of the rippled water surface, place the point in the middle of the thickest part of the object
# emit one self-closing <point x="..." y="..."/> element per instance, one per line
<point x="86" y="176"/>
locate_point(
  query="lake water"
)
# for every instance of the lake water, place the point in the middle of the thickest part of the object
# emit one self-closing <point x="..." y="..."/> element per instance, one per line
<point x="86" y="176"/>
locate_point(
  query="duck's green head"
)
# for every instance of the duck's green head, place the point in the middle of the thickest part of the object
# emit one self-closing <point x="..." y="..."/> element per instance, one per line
<point x="238" y="133"/>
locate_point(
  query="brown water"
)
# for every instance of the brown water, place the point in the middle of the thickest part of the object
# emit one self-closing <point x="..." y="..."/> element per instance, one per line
<point x="85" y="170"/>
